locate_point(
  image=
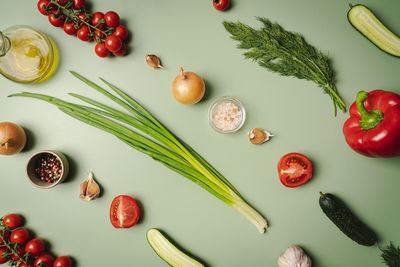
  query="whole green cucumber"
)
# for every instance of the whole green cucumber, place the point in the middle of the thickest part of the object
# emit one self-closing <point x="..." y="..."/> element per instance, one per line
<point x="338" y="212"/>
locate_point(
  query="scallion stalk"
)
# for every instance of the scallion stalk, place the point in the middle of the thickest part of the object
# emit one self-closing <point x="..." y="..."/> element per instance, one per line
<point x="153" y="139"/>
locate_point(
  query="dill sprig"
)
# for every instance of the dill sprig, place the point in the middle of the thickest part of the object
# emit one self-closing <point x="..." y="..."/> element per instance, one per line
<point x="286" y="53"/>
<point x="391" y="255"/>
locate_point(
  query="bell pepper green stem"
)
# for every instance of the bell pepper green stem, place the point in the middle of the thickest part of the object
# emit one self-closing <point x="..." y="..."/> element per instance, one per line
<point x="369" y="119"/>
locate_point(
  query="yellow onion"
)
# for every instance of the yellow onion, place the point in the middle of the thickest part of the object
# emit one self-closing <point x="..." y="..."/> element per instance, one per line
<point x="12" y="138"/>
<point x="188" y="87"/>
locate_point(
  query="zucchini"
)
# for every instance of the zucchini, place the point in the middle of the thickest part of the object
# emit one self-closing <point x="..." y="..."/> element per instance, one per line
<point x="168" y="251"/>
<point x="346" y="221"/>
<point x="371" y="27"/>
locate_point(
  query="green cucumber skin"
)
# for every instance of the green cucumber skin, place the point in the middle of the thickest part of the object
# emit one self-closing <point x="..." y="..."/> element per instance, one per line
<point x="346" y="221"/>
<point x="355" y="27"/>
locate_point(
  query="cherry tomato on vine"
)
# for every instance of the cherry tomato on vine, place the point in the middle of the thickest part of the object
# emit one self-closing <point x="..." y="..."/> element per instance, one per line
<point x="121" y="52"/>
<point x="19" y="236"/>
<point x="69" y="28"/>
<point x="44" y="260"/>
<point x="221" y="4"/>
<point x="101" y="50"/>
<point x="101" y="36"/>
<point x="113" y="43"/>
<point x="121" y="32"/>
<point x="62" y="261"/>
<point x="62" y="2"/>
<point x="97" y="17"/>
<point x="35" y="246"/>
<point x="124" y="212"/>
<point x="56" y="21"/>
<point x="12" y="221"/>
<point x="21" y="253"/>
<point x="83" y="33"/>
<point x="41" y="5"/>
<point x="5" y="236"/>
<point x="5" y="259"/>
<point x="78" y="4"/>
<point x="294" y="169"/>
<point x="30" y="264"/>
<point x="111" y="18"/>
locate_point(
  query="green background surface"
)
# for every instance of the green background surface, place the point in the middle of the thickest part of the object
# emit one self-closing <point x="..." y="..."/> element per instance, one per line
<point x="190" y="34"/>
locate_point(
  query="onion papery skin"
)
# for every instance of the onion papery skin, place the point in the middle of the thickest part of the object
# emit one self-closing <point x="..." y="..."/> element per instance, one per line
<point x="12" y="138"/>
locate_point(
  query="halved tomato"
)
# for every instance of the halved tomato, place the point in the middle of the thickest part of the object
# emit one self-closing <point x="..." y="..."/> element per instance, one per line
<point x="294" y="169"/>
<point x="124" y="212"/>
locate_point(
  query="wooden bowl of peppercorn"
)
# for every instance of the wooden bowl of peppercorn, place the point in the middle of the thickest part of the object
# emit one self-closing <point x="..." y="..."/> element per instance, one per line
<point x="47" y="168"/>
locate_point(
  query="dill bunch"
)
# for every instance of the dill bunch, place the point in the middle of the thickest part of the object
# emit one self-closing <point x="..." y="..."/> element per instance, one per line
<point x="286" y="53"/>
<point x="391" y="255"/>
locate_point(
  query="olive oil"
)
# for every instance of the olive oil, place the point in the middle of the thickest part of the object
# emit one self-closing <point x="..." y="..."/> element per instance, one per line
<point x="28" y="56"/>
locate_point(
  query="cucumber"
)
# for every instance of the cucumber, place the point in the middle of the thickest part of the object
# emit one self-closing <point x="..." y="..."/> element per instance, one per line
<point x="369" y="25"/>
<point x="346" y="221"/>
<point x="168" y="251"/>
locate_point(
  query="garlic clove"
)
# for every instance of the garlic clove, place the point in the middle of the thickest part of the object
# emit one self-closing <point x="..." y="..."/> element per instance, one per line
<point x="153" y="61"/>
<point x="294" y="256"/>
<point x="89" y="189"/>
<point x="258" y="136"/>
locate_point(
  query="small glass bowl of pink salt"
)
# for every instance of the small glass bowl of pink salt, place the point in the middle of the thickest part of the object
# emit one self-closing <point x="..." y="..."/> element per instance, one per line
<point x="226" y="114"/>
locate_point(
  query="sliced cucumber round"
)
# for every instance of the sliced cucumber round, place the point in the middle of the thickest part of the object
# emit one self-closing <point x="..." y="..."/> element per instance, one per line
<point x="371" y="27"/>
<point x="168" y="251"/>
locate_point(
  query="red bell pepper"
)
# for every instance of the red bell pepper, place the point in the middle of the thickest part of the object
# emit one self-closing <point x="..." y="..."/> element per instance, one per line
<point x="373" y="128"/>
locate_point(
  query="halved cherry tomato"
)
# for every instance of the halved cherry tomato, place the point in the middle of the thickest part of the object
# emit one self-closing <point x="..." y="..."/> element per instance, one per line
<point x="35" y="246"/>
<point x="124" y="212"/>
<point x="5" y="259"/>
<point x="62" y="261"/>
<point x="44" y="260"/>
<point x="19" y="236"/>
<point x="294" y="169"/>
<point x="221" y="4"/>
<point x="12" y="221"/>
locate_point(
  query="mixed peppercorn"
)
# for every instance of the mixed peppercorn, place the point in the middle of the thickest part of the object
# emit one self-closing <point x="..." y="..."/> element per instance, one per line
<point x="49" y="168"/>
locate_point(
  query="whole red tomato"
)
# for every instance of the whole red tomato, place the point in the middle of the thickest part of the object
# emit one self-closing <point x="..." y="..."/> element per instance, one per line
<point x="124" y="212"/>
<point x="121" y="52"/>
<point x="69" y="28"/>
<point x="62" y="261"/>
<point x="56" y="20"/>
<point x="5" y="235"/>
<point x="41" y="5"/>
<point x="101" y="50"/>
<point x="12" y="221"/>
<point x="121" y="32"/>
<point x="111" y="18"/>
<point x="5" y="259"/>
<point x="221" y="4"/>
<point x="83" y="33"/>
<point x="294" y="169"/>
<point x="35" y="246"/>
<point x="44" y="260"/>
<point x="113" y="43"/>
<point x="30" y="264"/>
<point x="19" y="236"/>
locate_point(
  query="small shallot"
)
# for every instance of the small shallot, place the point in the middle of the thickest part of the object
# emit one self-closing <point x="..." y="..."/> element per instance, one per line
<point x="153" y="61"/>
<point x="258" y="136"/>
<point x="294" y="256"/>
<point x="89" y="189"/>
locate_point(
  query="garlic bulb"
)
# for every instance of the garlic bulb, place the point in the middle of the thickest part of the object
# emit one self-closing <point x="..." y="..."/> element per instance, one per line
<point x="294" y="257"/>
<point x="89" y="189"/>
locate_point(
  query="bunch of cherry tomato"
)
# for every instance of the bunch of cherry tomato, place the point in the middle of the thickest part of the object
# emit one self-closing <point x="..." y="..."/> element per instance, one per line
<point x="17" y="249"/>
<point x="104" y="29"/>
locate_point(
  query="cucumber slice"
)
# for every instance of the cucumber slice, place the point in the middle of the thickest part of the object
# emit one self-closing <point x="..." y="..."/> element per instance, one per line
<point x="369" y="25"/>
<point x="168" y="252"/>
